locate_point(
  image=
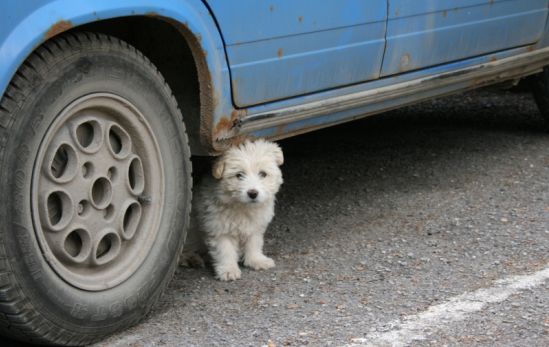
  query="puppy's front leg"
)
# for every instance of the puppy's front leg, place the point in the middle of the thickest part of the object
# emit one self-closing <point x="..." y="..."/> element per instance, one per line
<point x="253" y="253"/>
<point x="224" y="252"/>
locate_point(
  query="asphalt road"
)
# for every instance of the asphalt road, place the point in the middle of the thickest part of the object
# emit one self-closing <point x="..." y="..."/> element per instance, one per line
<point x="382" y="222"/>
<point x="408" y="228"/>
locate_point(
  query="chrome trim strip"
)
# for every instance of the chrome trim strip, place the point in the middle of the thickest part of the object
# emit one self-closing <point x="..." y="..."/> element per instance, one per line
<point x="479" y="75"/>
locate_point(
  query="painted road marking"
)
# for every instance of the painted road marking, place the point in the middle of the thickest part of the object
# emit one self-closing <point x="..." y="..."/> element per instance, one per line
<point x="418" y="326"/>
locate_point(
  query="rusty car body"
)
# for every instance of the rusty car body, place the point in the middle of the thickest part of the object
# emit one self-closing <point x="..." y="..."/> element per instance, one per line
<point x="236" y="69"/>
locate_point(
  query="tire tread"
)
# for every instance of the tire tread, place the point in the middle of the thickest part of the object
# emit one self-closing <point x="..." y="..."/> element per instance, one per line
<point x="18" y="317"/>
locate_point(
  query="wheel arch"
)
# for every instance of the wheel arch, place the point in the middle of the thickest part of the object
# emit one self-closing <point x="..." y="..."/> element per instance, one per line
<point x="179" y="37"/>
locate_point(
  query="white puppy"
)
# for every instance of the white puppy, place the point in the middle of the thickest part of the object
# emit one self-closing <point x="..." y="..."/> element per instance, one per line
<point x="234" y="208"/>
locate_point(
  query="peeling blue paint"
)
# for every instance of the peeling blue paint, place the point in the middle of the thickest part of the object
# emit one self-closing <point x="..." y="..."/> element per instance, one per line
<point x="279" y="49"/>
<point x="426" y="33"/>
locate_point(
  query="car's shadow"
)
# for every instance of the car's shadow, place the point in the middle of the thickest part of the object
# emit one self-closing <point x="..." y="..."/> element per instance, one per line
<point x="432" y="142"/>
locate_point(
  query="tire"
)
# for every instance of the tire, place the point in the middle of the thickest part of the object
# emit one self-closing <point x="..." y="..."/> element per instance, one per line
<point x="95" y="191"/>
<point x="540" y="88"/>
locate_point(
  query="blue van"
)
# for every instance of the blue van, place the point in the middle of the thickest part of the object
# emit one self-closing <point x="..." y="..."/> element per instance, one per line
<point x="103" y="102"/>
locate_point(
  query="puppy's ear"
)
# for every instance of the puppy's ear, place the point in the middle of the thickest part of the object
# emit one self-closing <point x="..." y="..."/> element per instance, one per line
<point x="218" y="167"/>
<point x="279" y="157"/>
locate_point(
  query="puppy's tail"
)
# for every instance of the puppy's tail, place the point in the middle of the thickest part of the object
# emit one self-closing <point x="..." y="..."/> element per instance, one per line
<point x="192" y="260"/>
<point x="194" y="251"/>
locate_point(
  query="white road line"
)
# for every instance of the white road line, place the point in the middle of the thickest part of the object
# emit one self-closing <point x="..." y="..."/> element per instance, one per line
<point x="416" y="327"/>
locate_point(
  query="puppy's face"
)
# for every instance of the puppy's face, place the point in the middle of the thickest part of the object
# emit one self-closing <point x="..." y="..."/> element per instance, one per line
<point x="249" y="173"/>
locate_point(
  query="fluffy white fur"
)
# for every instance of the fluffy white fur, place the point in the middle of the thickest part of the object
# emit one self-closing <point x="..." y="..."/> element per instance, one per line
<point x="234" y="208"/>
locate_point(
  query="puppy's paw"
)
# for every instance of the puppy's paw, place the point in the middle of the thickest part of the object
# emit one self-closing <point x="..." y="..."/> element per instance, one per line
<point x="259" y="263"/>
<point x="229" y="273"/>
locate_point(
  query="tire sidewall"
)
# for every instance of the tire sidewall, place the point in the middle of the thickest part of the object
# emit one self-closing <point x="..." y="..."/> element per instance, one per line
<point x="76" y="75"/>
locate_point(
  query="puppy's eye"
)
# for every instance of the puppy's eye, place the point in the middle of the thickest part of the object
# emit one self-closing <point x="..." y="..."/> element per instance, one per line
<point x="240" y="175"/>
<point x="262" y="174"/>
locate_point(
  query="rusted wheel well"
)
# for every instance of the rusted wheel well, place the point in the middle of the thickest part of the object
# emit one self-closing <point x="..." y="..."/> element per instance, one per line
<point x="168" y="48"/>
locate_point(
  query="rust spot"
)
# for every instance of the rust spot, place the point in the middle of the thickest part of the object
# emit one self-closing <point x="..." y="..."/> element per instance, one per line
<point x="490" y="2"/>
<point x="237" y="114"/>
<point x="280" y="130"/>
<point x="223" y="130"/>
<point x="445" y="13"/>
<point x="475" y="83"/>
<point x="271" y="8"/>
<point x="279" y="53"/>
<point x="224" y="125"/>
<point x="223" y="145"/>
<point x="405" y="62"/>
<point x="237" y="140"/>
<point x="300" y="19"/>
<point x="58" y="28"/>
<point x="531" y="48"/>
<point x="152" y="14"/>
<point x="493" y="58"/>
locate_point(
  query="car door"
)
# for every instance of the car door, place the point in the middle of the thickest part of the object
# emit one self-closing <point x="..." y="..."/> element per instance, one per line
<point x="432" y="32"/>
<point x="283" y="48"/>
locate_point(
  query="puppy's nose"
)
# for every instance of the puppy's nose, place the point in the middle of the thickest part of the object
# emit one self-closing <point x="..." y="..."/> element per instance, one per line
<point x="252" y="193"/>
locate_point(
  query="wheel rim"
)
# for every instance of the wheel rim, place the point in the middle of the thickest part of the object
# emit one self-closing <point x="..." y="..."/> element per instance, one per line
<point x="97" y="192"/>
